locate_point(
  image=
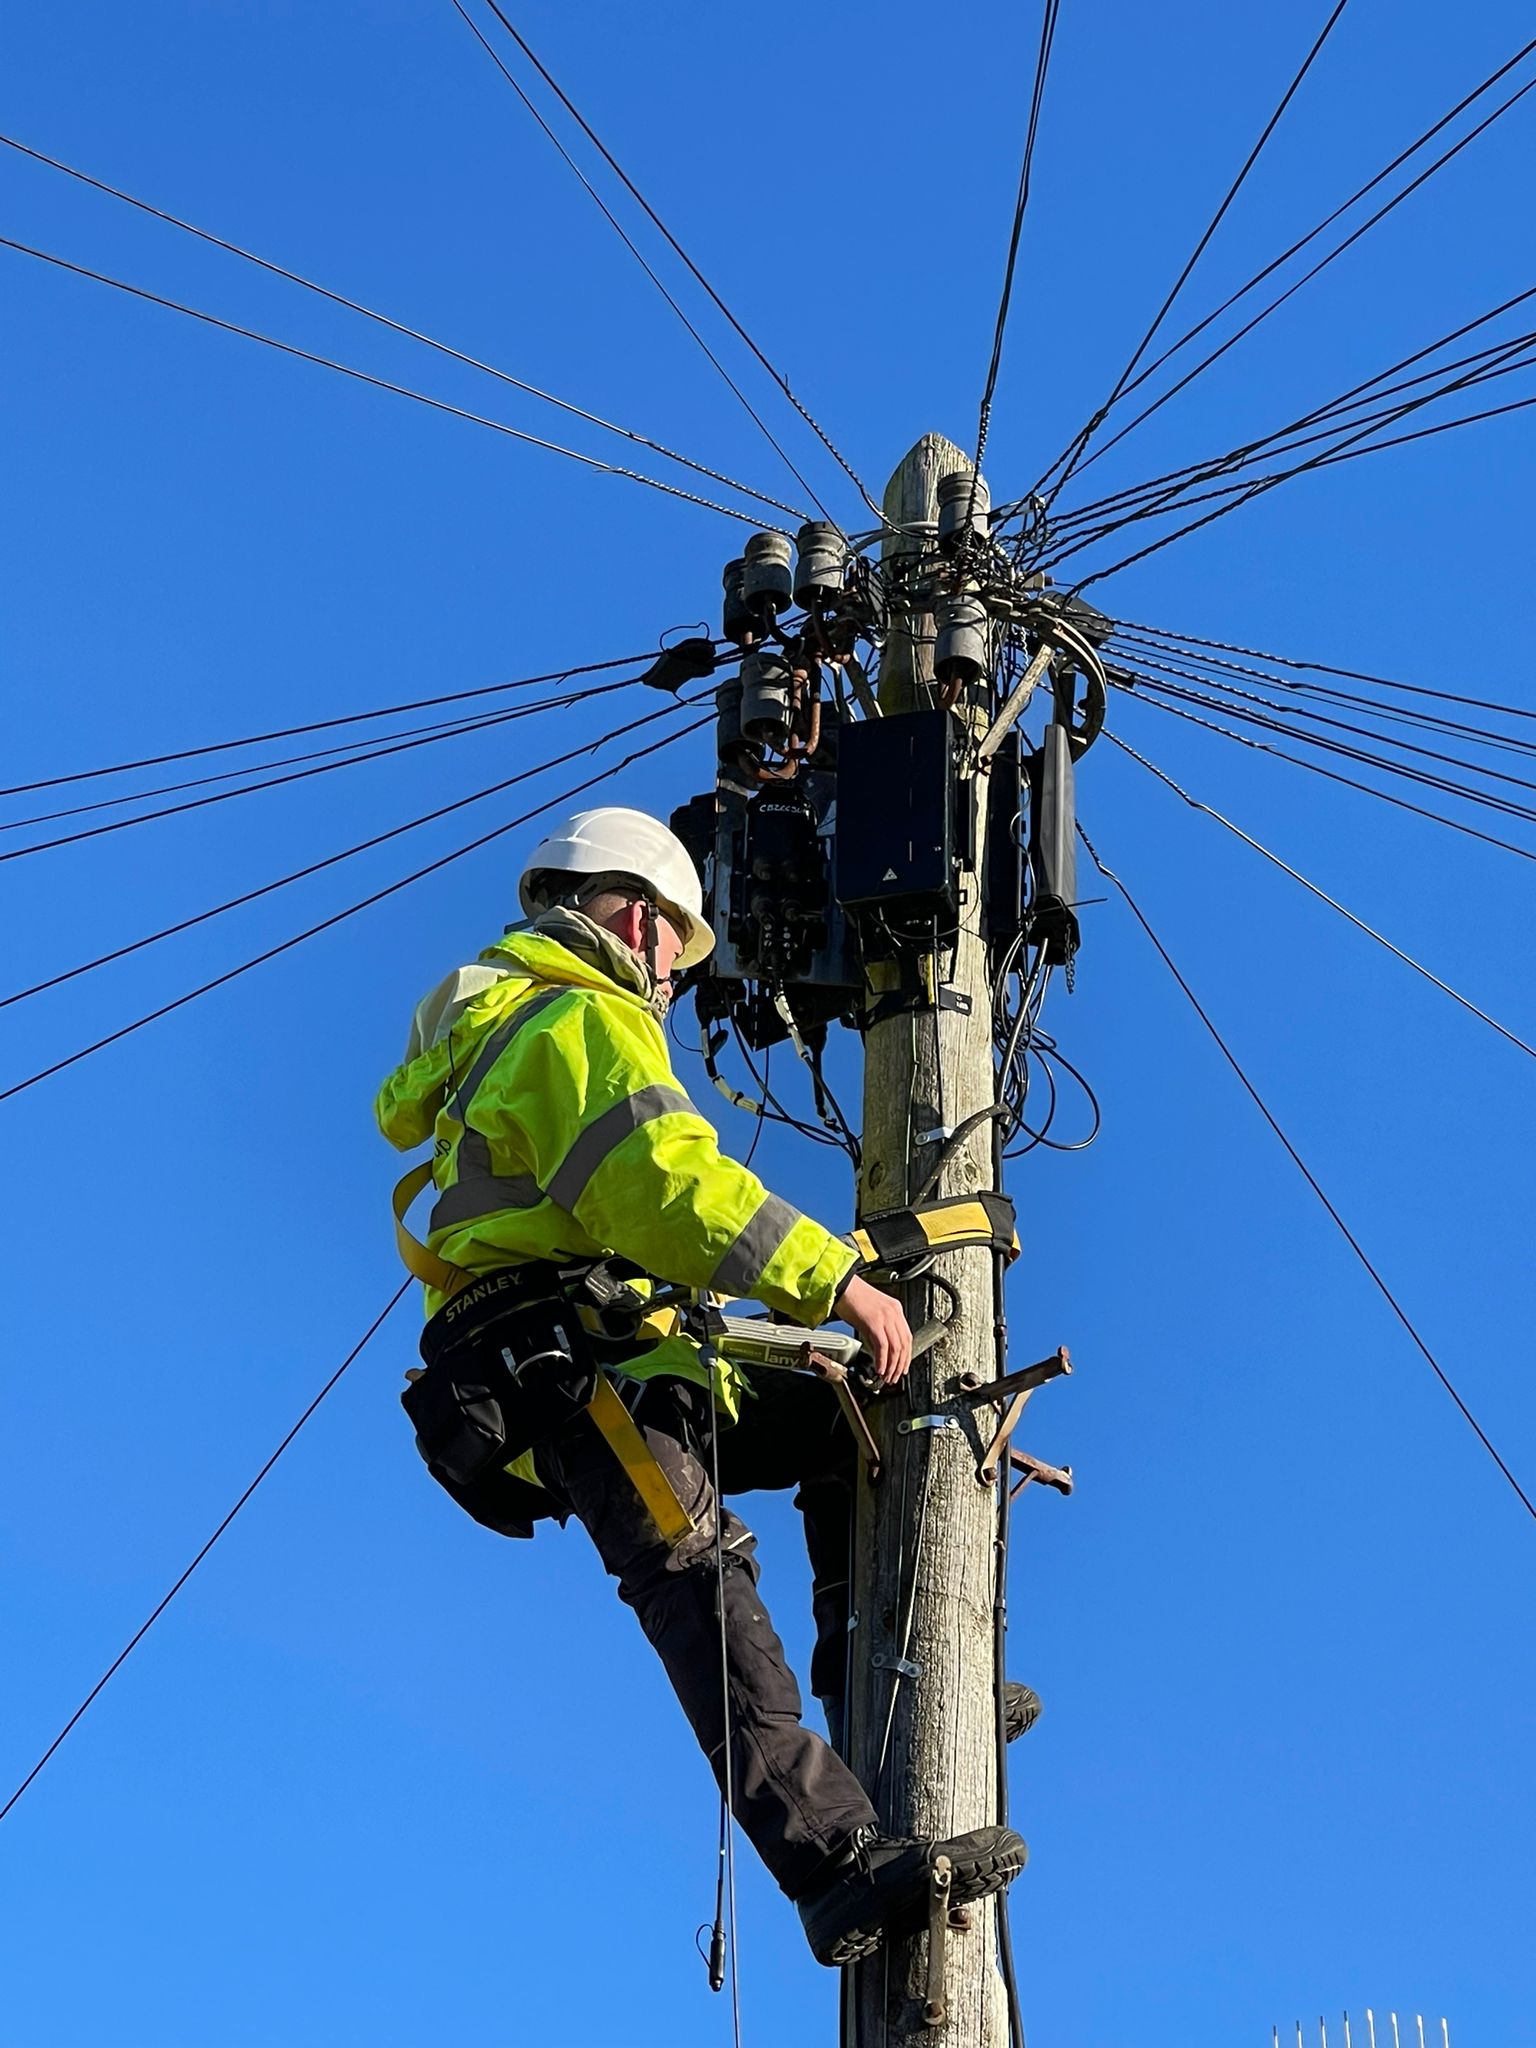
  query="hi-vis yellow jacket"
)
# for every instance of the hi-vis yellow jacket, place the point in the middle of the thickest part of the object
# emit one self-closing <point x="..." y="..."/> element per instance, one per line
<point x="560" y="1132"/>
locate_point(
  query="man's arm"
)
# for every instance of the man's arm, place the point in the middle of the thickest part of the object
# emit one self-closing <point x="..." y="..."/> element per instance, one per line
<point x="618" y="1144"/>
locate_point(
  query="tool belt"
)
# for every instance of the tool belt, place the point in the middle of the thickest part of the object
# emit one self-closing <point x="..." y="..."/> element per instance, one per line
<point x="508" y="1363"/>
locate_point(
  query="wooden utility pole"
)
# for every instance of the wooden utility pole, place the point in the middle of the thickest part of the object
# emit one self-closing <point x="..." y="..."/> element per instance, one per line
<point x="922" y="1727"/>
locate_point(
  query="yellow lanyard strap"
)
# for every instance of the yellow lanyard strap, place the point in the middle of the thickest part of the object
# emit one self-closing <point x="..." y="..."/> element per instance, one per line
<point x="618" y="1428"/>
<point x="417" y="1258"/>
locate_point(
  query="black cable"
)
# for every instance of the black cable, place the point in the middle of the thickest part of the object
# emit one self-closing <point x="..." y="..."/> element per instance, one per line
<point x="823" y="1089"/>
<point x="1192" y="472"/>
<point x="161" y="1605"/>
<point x="1322" y="895"/>
<point x="1090" y="525"/>
<point x="1046" y="1050"/>
<point x="1349" y="781"/>
<point x="693" y="269"/>
<point x="1505" y="806"/>
<point x="746" y="404"/>
<point x="1323" y="668"/>
<point x="351" y="754"/>
<point x="1006" y="1965"/>
<point x="395" y="326"/>
<point x="288" y="732"/>
<point x="1340" y="435"/>
<point x="314" y="867"/>
<point x="774" y="1110"/>
<point x="1323" y="225"/>
<point x="1306" y="1172"/>
<point x="356" y="750"/>
<point x="1005" y="1958"/>
<point x="1160" y="662"/>
<point x="1049" y="13"/>
<point x="1344" y="454"/>
<point x="1153" y="654"/>
<point x="762" y="1112"/>
<point x="1307" y="276"/>
<point x="1343" y="449"/>
<point x="1072" y="454"/>
<point x="1330" y="693"/>
<point x="338" y="917"/>
<point x="305" y="355"/>
<point x="224" y="796"/>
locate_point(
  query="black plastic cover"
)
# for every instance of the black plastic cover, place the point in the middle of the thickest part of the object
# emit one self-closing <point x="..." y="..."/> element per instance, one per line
<point x="1053" y="846"/>
<point x="895" y="841"/>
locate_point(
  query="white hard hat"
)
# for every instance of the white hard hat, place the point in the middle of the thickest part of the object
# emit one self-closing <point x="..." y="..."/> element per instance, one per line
<point x="614" y="840"/>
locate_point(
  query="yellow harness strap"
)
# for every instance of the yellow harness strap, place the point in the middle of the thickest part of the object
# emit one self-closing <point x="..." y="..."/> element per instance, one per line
<point x="419" y="1259"/>
<point x="618" y="1428"/>
<point x="901" y="1235"/>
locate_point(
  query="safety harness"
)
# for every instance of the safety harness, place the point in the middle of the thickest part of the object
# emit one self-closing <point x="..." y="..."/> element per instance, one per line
<point x="513" y="1354"/>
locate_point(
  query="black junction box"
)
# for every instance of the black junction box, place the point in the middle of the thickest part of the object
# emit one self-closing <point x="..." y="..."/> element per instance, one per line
<point x="895" y="839"/>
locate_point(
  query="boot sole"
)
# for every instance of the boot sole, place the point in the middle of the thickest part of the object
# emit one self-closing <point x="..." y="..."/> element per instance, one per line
<point x="977" y="1878"/>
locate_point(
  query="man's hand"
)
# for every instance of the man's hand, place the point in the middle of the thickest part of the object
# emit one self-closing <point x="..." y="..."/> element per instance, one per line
<point x="881" y="1325"/>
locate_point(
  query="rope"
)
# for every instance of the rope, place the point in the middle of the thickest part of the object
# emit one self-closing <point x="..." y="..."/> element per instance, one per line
<point x="728" y="1771"/>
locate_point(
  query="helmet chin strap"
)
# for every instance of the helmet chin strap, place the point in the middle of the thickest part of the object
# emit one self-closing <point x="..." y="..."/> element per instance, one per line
<point x="661" y="993"/>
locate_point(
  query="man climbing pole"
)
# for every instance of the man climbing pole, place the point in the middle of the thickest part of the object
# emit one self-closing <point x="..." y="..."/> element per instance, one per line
<point x="583" y="1208"/>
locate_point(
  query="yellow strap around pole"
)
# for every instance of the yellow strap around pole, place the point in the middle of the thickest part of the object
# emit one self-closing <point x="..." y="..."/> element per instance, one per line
<point x="946" y="1226"/>
<point x="618" y="1428"/>
<point x="420" y="1259"/>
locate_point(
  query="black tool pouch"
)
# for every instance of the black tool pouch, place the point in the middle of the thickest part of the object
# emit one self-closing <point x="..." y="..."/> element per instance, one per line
<point x="493" y="1392"/>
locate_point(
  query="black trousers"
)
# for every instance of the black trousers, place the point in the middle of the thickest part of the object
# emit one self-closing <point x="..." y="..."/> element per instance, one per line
<point x="793" y="1795"/>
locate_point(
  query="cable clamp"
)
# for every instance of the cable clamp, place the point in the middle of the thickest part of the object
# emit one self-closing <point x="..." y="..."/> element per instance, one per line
<point x="912" y="1423"/>
<point x="940" y="1134"/>
<point x="887" y="1660"/>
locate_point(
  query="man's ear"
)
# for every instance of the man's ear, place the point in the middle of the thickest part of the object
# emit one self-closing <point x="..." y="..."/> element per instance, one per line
<point x="629" y="926"/>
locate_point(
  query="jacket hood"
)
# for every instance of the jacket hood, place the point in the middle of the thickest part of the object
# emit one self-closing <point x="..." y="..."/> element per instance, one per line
<point x="562" y="948"/>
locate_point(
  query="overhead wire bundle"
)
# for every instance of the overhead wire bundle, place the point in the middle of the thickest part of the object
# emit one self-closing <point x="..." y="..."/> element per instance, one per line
<point x="1179" y="675"/>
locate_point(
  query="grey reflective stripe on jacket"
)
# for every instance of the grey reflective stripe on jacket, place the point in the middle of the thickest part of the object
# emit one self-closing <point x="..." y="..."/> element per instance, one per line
<point x="496" y="1045"/>
<point x="478" y="1191"/>
<point x="759" y="1238"/>
<point x="569" y="1180"/>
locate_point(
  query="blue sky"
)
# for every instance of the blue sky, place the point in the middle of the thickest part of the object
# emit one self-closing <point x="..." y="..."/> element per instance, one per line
<point x="376" y="1777"/>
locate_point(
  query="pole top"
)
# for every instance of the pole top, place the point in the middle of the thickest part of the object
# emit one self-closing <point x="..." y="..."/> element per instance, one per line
<point x="912" y="493"/>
